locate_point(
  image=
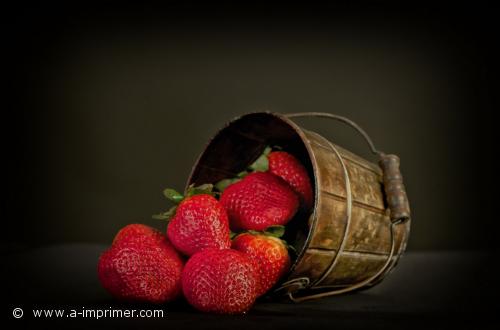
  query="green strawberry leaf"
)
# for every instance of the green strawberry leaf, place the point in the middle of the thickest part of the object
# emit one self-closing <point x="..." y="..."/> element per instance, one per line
<point x="275" y="231"/>
<point x="223" y="184"/>
<point x="242" y="174"/>
<point x="262" y="163"/>
<point x="232" y="234"/>
<point x="206" y="188"/>
<point x="173" y="195"/>
<point x="166" y="215"/>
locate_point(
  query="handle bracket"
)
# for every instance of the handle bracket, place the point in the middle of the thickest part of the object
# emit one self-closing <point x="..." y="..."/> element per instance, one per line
<point x="395" y="192"/>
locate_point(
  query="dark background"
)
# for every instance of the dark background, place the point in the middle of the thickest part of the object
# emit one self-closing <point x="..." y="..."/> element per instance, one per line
<point x="106" y="106"/>
<point x="112" y="105"/>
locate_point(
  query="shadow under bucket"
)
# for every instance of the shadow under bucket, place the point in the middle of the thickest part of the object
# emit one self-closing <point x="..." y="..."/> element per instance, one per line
<point x="360" y="222"/>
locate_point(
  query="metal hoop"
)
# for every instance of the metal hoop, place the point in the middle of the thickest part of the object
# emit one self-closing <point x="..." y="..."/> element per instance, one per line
<point x="353" y="287"/>
<point x="348" y="213"/>
<point x="304" y="282"/>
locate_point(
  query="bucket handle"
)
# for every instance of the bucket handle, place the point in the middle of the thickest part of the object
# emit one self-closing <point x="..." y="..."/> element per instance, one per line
<point x="394" y="188"/>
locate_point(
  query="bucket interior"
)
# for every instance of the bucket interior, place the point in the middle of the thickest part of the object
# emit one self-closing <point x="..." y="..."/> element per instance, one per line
<point x="240" y="143"/>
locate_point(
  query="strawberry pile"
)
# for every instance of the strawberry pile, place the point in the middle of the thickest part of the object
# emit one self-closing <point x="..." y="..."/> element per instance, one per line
<point x="222" y="248"/>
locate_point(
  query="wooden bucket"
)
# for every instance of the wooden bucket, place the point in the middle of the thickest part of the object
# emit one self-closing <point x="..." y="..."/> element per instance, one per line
<point x="359" y="226"/>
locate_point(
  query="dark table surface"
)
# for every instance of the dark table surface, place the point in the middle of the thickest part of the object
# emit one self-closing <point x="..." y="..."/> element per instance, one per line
<point x="426" y="290"/>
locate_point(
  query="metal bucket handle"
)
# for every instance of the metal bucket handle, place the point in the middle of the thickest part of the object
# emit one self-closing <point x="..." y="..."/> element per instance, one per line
<point x="396" y="199"/>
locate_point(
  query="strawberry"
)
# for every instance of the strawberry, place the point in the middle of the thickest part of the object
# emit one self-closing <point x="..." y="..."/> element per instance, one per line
<point x="290" y="169"/>
<point x="220" y="281"/>
<point x="140" y="266"/>
<point x="199" y="222"/>
<point x="258" y="201"/>
<point x="136" y="231"/>
<point x="270" y="253"/>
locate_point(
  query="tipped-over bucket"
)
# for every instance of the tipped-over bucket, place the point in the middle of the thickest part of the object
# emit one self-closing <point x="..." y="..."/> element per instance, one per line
<point x="360" y="223"/>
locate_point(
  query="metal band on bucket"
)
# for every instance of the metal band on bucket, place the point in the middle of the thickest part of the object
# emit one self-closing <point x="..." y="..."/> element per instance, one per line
<point x="399" y="214"/>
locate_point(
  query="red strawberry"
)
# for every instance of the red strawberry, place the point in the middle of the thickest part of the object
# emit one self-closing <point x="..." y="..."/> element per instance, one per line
<point x="139" y="268"/>
<point x="136" y="231"/>
<point x="270" y="253"/>
<point x="200" y="222"/>
<point x="220" y="281"/>
<point x="258" y="201"/>
<point x="289" y="168"/>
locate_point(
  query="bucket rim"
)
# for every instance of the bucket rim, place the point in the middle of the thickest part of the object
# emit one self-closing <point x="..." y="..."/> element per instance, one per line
<point x="312" y="159"/>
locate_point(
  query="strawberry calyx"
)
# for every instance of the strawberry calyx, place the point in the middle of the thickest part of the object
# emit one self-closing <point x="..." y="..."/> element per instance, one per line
<point x="261" y="164"/>
<point x="167" y="215"/>
<point x="206" y="188"/>
<point x="275" y="231"/>
<point x="176" y="197"/>
<point x="232" y="234"/>
<point x="224" y="183"/>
